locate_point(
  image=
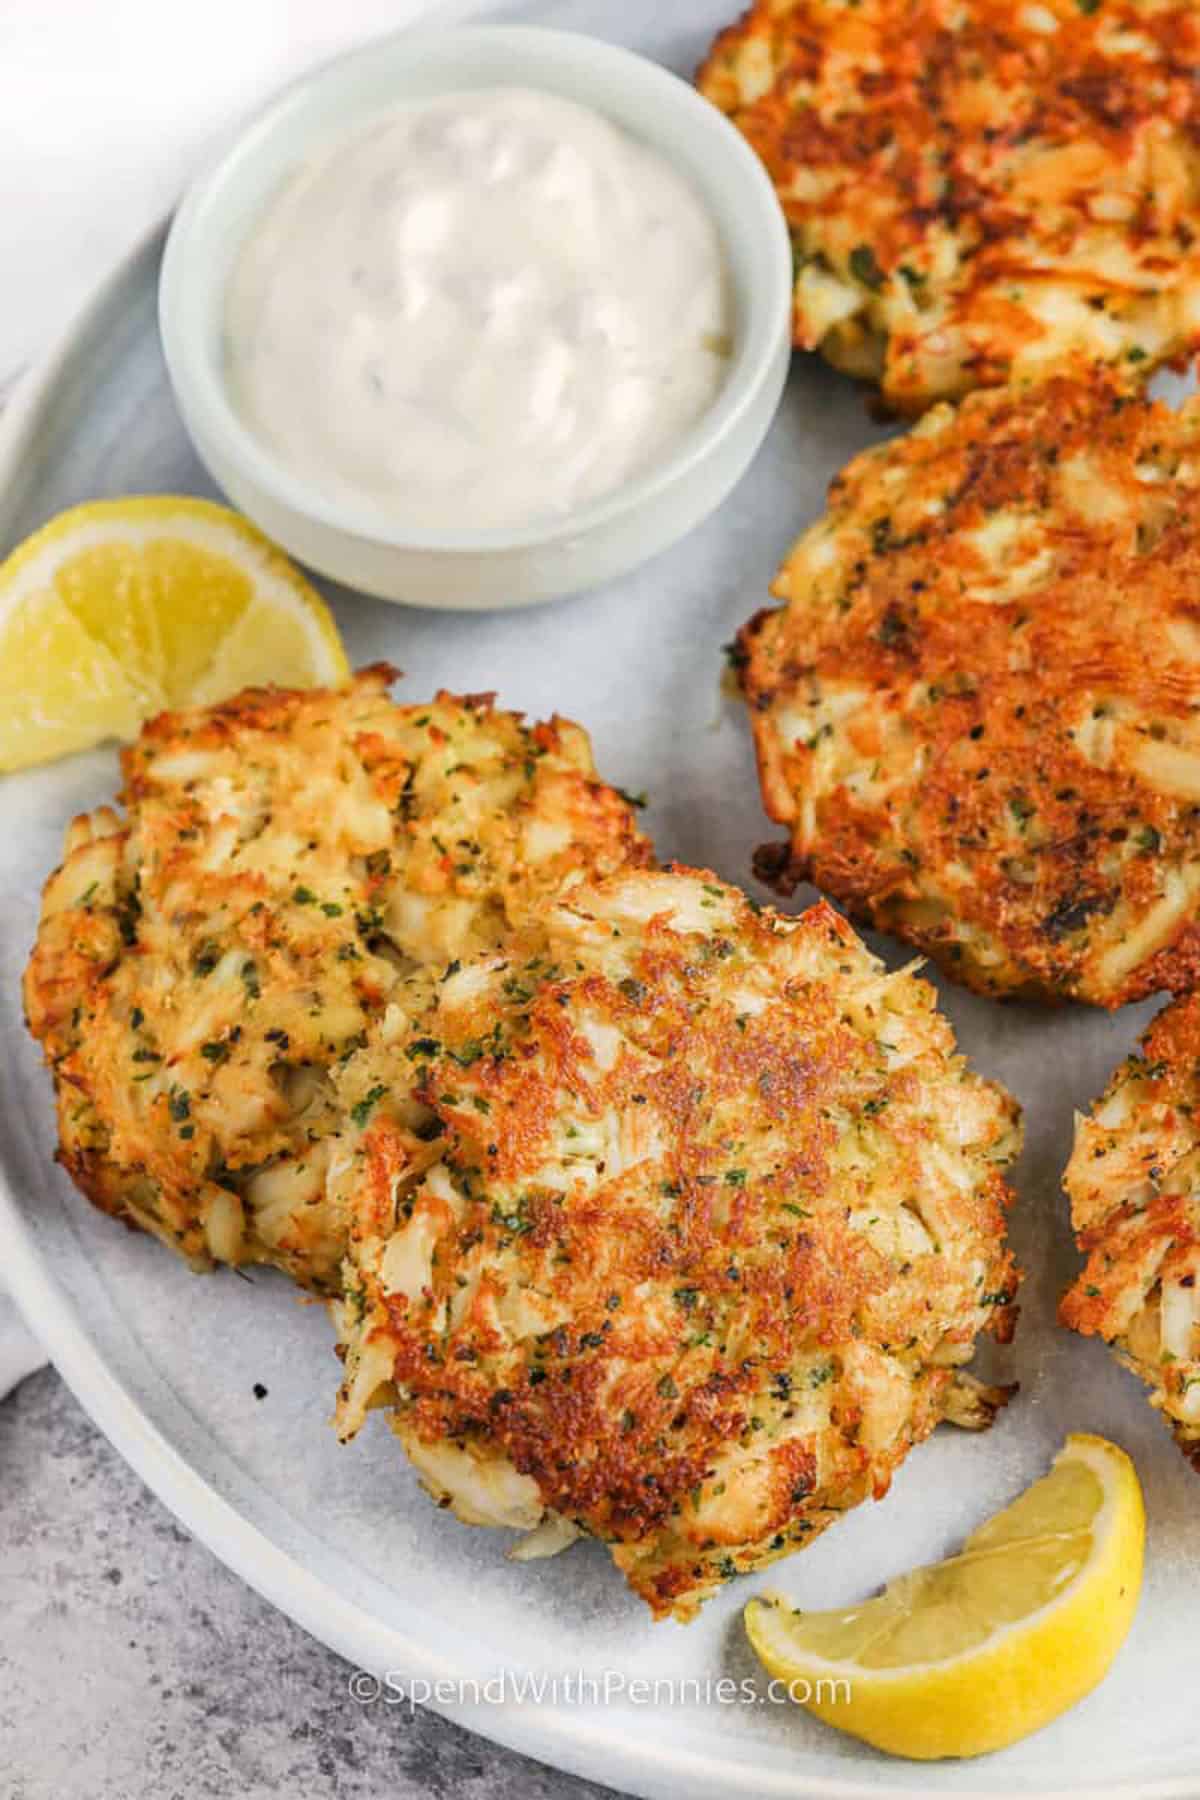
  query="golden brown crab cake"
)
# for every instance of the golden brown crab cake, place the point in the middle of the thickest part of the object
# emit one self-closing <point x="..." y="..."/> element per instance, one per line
<point x="978" y="712"/>
<point x="977" y="188"/>
<point x="717" y="1219"/>
<point x="293" y="871"/>
<point x="1134" y="1186"/>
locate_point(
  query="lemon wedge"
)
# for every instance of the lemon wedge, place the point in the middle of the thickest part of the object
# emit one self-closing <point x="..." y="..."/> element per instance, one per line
<point x="120" y="608"/>
<point x="974" y="1653"/>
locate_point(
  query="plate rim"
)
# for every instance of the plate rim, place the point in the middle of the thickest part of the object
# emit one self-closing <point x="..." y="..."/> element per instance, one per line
<point x="564" y="1740"/>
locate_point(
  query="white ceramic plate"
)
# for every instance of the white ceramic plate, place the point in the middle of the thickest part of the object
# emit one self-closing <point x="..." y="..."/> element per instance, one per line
<point x="341" y="1538"/>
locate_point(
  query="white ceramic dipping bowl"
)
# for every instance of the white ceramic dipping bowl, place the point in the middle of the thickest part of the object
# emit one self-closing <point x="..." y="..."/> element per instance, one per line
<point x="361" y="545"/>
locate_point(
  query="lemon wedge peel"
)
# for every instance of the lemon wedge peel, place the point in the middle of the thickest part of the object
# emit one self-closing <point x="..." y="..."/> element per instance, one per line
<point x="119" y="608"/>
<point x="1013" y="1678"/>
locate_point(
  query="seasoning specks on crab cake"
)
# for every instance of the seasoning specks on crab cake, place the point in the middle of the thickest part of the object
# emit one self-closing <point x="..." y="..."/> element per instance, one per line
<point x="977" y="188"/>
<point x="978" y="711"/>
<point x="1134" y="1186"/>
<point x="717" y="1220"/>
<point x="215" y="974"/>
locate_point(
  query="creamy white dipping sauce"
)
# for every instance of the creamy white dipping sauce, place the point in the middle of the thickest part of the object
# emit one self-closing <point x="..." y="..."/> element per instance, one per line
<point x="479" y="311"/>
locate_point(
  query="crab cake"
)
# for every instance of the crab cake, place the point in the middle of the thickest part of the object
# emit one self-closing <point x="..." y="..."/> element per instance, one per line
<point x="978" y="712"/>
<point x="717" y="1219"/>
<point x="292" y="871"/>
<point x="977" y="188"/>
<point x="1134" y="1185"/>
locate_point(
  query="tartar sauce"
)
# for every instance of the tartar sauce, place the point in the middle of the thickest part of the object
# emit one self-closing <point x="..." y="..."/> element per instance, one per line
<point x="479" y="311"/>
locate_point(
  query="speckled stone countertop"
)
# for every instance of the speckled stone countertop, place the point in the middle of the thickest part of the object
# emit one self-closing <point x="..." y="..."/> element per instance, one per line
<point x="134" y="1666"/>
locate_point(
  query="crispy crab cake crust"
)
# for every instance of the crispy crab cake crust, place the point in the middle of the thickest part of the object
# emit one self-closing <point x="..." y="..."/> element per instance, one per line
<point x="1134" y="1186"/>
<point x="976" y="188"/>
<point x="717" y="1219"/>
<point x="977" y="712"/>
<point x="213" y="973"/>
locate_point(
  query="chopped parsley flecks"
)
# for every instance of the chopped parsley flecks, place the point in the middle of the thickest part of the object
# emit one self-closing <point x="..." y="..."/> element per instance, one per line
<point x="362" y="1109"/>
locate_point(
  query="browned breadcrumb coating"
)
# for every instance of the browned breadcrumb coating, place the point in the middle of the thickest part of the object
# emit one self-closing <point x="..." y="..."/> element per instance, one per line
<point x="293" y="870"/>
<point x="978" y="711"/>
<point x="718" y="1215"/>
<point x="976" y="188"/>
<point x="1134" y="1186"/>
